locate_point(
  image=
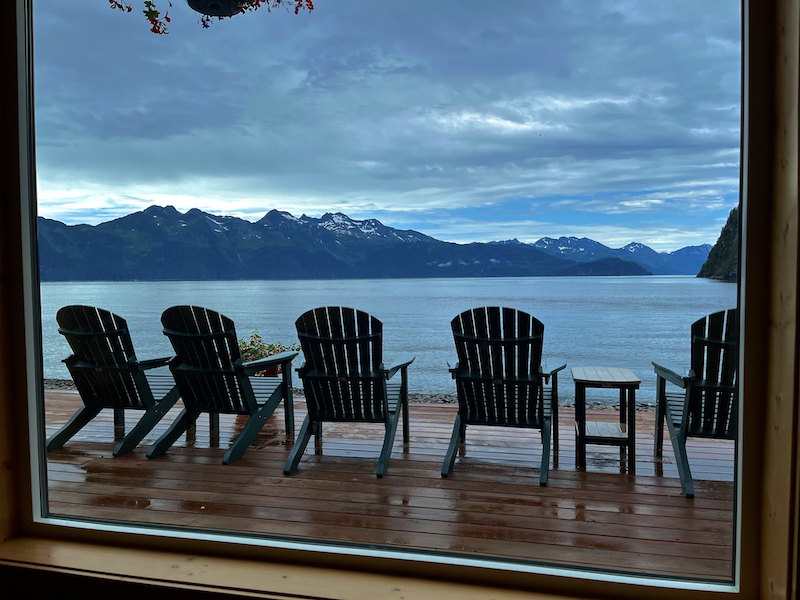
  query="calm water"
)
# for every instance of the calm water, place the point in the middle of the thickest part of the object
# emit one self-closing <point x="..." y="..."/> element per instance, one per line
<point x="590" y="321"/>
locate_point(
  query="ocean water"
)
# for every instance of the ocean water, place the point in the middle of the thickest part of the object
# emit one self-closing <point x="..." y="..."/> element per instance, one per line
<point x="589" y="321"/>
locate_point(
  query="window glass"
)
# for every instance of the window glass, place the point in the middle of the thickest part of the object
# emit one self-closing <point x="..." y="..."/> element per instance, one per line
<point x="577" y="162"/>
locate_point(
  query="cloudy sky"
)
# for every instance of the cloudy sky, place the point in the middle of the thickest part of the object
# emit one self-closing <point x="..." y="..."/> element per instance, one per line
<point x="468" y="120"/>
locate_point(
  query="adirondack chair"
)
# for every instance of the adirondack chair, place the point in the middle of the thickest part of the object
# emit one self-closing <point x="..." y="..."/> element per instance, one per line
<point x="499" y="378"/>
<point x="213" y="379"/>
<point x="708" y="405"/>
<point x="345" y="380"/>
<point x="107" y="374"/>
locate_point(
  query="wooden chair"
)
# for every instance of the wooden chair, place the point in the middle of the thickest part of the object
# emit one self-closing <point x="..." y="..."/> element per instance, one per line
<point x="107" y="374"/>
<point x="499" y="379"/>
<point x="708" y="406"/>
<point x="345" y="380"/>
<point x="212" y="378"/>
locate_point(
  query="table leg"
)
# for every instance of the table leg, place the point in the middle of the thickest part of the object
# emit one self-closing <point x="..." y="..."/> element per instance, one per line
<point x="554" y="416"/>
<point x="632" y="431"/>
<point x="623" y="413"/>
<point x="580" y="414"/>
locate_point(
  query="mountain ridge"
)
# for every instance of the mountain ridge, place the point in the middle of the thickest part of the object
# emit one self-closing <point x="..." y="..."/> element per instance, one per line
<point x="684" y="261"/>
<point x="161" y="243"/>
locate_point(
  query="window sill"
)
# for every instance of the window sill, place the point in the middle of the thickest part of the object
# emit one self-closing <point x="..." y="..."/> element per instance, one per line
<point x="218" y="576"/>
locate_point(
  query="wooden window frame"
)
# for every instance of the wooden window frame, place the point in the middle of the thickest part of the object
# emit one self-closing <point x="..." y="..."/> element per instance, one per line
<point x="46" y="557"/>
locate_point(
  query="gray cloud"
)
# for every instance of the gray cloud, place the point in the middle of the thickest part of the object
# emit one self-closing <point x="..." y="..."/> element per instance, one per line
<point x="564" y="110"/>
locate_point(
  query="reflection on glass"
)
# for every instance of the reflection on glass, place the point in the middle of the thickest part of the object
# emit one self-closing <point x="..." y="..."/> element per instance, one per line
<point x="576" y="162"/>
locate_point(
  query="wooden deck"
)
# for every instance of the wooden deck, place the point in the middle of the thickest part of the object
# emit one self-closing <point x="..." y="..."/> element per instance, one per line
<point x="492" y="506"/>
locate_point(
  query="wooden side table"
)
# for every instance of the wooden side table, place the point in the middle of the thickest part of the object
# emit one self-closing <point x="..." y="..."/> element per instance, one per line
<point x="620" y="434"/>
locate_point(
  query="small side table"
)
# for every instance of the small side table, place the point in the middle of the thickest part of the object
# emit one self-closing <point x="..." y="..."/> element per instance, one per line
<point x="620" y="434"/>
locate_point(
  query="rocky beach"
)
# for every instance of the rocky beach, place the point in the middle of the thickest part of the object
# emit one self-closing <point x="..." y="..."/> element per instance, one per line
<point x="67" y="384"/>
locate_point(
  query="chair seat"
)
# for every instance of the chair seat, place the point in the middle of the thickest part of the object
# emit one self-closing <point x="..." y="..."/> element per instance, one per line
<point x="675" y="404"/>
<point x="392" y="401"/>
<point x="263" y="387"/>
<point x="501" y="422"/>
<point x="674" y="412"/>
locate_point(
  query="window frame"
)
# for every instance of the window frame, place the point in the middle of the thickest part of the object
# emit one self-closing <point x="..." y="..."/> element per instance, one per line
<point x="767" y="469"/>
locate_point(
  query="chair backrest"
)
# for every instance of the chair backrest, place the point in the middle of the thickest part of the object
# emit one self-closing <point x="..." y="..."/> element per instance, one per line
<point x="713" y="399"/>
<point x="102" y="358"/>
<point x="499" y="366"/>
<point x="206" y="360"/>
<point x="342" y="376"/>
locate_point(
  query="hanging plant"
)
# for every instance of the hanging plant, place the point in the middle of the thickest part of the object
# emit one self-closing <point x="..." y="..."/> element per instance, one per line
<point x="209" y="9"/>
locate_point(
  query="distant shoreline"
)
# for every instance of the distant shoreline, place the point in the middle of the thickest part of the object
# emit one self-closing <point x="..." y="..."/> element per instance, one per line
<point x="68" y="385"/>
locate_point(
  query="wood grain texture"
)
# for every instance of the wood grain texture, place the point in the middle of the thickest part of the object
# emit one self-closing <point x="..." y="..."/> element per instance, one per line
<point x="601" y="375"/>
<point x="493" y="506"/>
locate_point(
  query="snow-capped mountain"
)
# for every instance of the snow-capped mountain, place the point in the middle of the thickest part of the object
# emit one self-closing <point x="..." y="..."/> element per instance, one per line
<point x="340" y="224"/>
<point x="685" y="261"/>
<point x="580" y="249"/>
<point x="162" y="243"/>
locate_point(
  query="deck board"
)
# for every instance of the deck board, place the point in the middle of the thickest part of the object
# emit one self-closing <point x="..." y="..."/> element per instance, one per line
<point x="492" y="506"/>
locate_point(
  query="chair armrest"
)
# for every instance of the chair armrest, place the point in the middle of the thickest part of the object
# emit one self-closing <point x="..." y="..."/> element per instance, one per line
<point x="453" y="370"/>
<point x="301" y="368"/>
<point x="675" y="375"/>
<point x="551" y="366"/>
<point x="270" y="361"/>
<point x="401" y="362"/>
<point x="153" y="363"/>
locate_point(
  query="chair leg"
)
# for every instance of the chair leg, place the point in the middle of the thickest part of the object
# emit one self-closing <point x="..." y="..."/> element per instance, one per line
<point x="406" y="435"/>
<point x="149" y="420"/>
<point x="318" y="435"/>
<point x="545" y="467"/>
<point x="455" y="439"/>
<point x="682" y="462"/>
<point x="119" y="418"/>
<point x="249" y="432"/>
<point x="388" y="442"/>
<point x="288" y="401"/>
<point x="184" y="421"/>
<point x="81" y="417"/>
<point x="300" y="445"/>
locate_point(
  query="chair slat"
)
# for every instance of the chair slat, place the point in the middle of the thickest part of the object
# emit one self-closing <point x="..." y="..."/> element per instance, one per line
<point x="525" y="359"/>
<point x="495" y="409"/>
<point x="715" y="327"/>
<point x="510" y="331"/>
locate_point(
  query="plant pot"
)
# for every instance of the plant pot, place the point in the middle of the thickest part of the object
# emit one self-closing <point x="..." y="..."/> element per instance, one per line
<point x="272" y="372"/>
<point x="214" y="8"/>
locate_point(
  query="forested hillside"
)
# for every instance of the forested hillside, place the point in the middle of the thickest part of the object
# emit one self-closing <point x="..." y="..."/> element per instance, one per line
<point x="723" y="260"/>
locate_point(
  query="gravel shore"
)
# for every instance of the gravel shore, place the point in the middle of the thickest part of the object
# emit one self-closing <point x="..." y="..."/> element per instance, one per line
<point x="66" y="384"/>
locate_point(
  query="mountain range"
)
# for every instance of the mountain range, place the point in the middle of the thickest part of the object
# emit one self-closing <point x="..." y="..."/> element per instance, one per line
<point x="685" y="261"/>
<point x="160" y="243"/>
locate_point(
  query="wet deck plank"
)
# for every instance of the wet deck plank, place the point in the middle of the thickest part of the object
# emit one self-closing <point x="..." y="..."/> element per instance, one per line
<point x="492" y="506"/>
